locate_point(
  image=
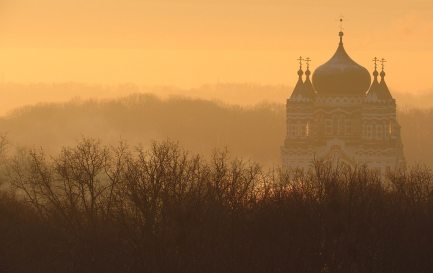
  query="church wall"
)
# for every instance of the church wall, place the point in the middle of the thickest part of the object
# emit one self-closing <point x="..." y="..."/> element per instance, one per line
<point x="352" y="129"/>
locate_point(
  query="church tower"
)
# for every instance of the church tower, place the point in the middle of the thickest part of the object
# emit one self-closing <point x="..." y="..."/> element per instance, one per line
<point x="342" y="115"/>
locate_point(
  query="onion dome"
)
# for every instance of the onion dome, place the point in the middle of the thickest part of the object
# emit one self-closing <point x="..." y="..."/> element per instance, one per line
<point x="379" y="91"/>
<point x="384" y="93"/>
<point x="374" y="91"/>
<point x="298" y="92"/>
<point x="308" y="86"/>
<point x="341" y="76"/>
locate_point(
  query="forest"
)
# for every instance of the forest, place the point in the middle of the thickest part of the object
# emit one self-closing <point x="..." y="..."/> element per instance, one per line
<point x="143" y="184"/>
<point x="115" y="208"/>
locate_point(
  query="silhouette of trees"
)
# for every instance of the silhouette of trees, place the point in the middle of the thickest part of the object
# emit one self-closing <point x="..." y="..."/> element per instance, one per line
<point x="99" y="208"/>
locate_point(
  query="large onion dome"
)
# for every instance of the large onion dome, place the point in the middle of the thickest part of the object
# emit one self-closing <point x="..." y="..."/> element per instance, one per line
<point x="341" y="76"/>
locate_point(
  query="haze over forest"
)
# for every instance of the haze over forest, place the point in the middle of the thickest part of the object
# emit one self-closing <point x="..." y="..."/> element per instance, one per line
<point x="17" y="95"/>
<point x="251" y="130"/>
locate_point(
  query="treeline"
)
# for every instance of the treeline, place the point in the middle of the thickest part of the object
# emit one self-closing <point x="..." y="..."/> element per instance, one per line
<point x="97" y="208"/>
<point x="256" y="132"/>
<point x="14" y="95"/>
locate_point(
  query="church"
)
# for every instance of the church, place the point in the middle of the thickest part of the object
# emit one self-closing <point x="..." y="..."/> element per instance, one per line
<point x="341" y="114"/>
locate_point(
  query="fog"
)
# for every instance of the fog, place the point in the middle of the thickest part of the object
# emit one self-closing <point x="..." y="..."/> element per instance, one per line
<point x="17" y="95"/>
<point x="252" y="130"/>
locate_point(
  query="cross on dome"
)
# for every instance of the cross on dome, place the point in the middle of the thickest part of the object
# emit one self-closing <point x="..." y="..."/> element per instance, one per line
<point x="375" y="60"/>
<point x="300" y="59"/>
<point x="383" y="61"/>
<point x="341" y="33"/>
<point x="308" y="60"/>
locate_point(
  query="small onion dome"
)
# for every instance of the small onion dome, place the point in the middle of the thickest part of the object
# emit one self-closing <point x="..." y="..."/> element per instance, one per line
<point x="384" y="90"/>
<point x="374" y="91"/>
<point x="308" y="86"/>
<point x="299" y="87"/>
<point x="379" y="91"/>
<point x="341" y="76"/>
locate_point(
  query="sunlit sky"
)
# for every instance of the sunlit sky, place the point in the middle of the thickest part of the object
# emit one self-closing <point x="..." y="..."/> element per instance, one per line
<point x="187" y="43"/>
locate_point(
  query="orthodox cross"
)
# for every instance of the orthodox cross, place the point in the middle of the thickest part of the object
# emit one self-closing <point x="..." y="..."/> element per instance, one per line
<point x="308" y="60"/>
<point x="375" y="60"/>
<point x="383" y="61"/>
<point x="300" y="62"/>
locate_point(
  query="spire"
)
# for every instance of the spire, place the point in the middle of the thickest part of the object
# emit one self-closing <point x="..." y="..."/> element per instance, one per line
<point x="373" y="92"/>
<point x="299" y="88"/>
<point x="307" y="72"/>
<point x="308" y="86"/>
<point x="300" y="71"/>
<point x="384" y="88"/>
<point x="375" y="73"/>
<point x="379" y="91"/>
<point x="382" y="74"/>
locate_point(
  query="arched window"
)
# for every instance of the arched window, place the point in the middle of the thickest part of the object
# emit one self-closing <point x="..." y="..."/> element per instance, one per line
<point x="300" y="129"/>
<point x="328" y="127"/>
<point x="297" y="133"/>
<point x="379" y="131"/>
<point x="292" y="129"/>
<point x="340" y="126"/>
<point x="390" y="129"/>
<point x="347" y="127"/>
<point x="369" y="131"/>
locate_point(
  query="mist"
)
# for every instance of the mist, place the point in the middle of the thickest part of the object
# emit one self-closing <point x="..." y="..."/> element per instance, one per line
<point x="253" y="131"/>
<point x="17" y="95"/>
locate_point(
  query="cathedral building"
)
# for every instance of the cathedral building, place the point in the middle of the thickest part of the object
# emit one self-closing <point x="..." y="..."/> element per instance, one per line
<point x="341" y="114"/>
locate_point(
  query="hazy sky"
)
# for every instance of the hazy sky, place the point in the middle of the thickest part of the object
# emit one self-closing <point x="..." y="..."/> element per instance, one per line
<point x="191" y="42"/>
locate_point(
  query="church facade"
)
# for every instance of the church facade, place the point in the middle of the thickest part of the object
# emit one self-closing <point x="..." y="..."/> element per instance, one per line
<point x="342" y="114"/>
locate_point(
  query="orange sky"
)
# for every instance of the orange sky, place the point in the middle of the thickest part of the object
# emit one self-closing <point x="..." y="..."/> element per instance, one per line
<point x="187" y="43"/>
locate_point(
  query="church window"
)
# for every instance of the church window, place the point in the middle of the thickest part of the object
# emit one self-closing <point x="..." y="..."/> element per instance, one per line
<point x="292" y="129"/>
<point x="379" y="131"/>
<point x="299" y="130"/>
<point x="385" y="130"/>
<point x="347" y="127"/>
<point x="369" y="132"/>
<point x="328" y="127"/>
<point x="340" y="126"/>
